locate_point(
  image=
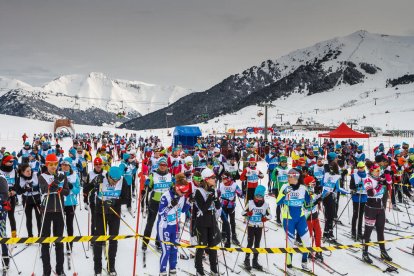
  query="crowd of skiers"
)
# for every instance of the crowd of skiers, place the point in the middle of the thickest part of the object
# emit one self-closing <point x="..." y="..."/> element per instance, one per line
<point x="201" y="182"/>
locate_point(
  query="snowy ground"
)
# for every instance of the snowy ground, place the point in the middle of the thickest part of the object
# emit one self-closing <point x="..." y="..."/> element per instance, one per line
<point x="12" y="129"/>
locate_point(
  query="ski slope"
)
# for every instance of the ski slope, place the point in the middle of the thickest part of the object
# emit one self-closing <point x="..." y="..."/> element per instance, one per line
<point x="275" y="237"/>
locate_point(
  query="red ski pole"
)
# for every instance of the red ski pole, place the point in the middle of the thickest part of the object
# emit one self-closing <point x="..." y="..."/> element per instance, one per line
<point x="136" y="230"/>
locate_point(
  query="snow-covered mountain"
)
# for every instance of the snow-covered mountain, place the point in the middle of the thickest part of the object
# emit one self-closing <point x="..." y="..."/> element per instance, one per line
<point x="347" y="72"/>
<point x="84" y="95"/>
<point x="7" y="84"/>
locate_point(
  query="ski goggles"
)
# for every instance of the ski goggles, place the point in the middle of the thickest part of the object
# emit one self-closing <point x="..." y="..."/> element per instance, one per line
<point x="197" y="178"/>
<point x="294" y="175"/>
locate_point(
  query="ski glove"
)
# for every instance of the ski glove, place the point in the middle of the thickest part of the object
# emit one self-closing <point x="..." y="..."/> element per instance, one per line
<point x="70" y="185"/>
<point x="264" y="219"/>
<point x="6" y="206"/>
<point x="287" y="190"/>
<point x="174" y="201"/>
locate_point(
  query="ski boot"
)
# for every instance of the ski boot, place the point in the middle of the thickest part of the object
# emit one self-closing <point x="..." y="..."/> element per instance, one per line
<point x="395" y="208"/>
<point x="279" y="223"/>
<point x="256" y="265"/>
<point x="366" y="258"/>
<point x="193" y="240"/>
<point x="172" y="272"/>
<point x="144" y="247"/>
<point x="113" y="273"/>
<point x="98" y="274"/>
<point x="247" y="265"/>
<point x="163" y="274"/>
<point x="235" y="241"/>
<point x="319" y="256"/>
<point x="227" y="244"/>
<point x="385" y="256"/>
<point x="305" y="265"/>
<point x="200" y="273"/>
<point x="159" y="248"/>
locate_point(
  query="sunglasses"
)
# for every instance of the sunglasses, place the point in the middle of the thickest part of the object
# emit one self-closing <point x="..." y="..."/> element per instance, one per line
<point x="211" y="177"/>
<point x="52" y="163"/>
<point x="162" y="165"/>
<point x="293" y="176"/>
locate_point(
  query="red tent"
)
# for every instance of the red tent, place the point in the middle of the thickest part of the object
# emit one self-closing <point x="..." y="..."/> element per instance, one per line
<point x="343" y="131"/>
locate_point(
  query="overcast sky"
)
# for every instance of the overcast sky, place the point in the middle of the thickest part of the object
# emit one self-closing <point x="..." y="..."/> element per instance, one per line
<point x="190" y="43"/>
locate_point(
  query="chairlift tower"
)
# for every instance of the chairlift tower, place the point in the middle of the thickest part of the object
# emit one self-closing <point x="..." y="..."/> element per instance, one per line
<point x="266" y="105"/>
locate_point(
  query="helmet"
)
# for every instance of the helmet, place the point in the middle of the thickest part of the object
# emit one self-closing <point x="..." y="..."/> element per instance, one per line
<point x="115" y="173"/>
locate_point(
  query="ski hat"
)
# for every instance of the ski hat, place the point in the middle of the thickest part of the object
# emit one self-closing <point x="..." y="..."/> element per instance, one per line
<point x="397" y="146"/>
<point x="188" y="159"/>
<point x="207" y="173"/>
<point x="338" y="146"/>
<point x="401" y="161"/>
<point x="332" y="156"/>
<point x="67" y="161"/>
<point x="361" y="164"/>
<point x="26" y="144"/>
<point x="126" y="156"/>
<point x="6" y="159"/>
<point x="294" y="173"/>
<point x="374" y="167"/>
<point x="309" y="180"/>
<point x="283" y="159"/>
<point x="216" y="150"/>
<point x="51" y="158"/>
<point x="45" y="146"/>
<point x="411" y="150"/>
<point x="72" y="151"/>
<point x="115" y="173"/>
<point x="97" y="161"/>
<point x="162" y="160"/>
<point x="380" y="158"/>
<point x="260" y="191"/>
<point x="252" y="159"/>
<point x="396" y="152"/>
<point x="360" y="147"/>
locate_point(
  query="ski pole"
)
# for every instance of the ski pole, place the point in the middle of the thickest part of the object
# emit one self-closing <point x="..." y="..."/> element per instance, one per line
<point x="14" y="262"/>
<point x="264" y="234"/>
<point x="138" y="202"/>
<point x="64" y="223"/>
<point x="41" y="230"/>
<point x="238" y="253"/>
<point x="80" y="234"/>
<point x="406" y="208"/>
<point x="138" y="235"/>
<point x="336" y="222"/>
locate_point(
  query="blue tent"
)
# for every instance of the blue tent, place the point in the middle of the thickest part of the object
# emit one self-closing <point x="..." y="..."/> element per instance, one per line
<point x="186" y="135"/>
